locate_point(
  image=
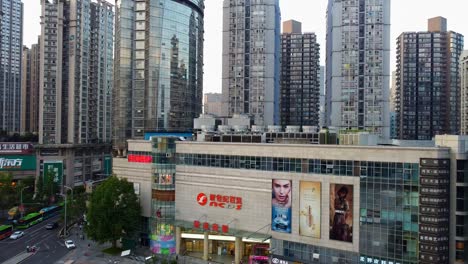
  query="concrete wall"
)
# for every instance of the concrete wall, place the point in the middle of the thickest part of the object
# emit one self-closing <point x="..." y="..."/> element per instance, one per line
<point x="139" y="173"/>
<point x="255" y="188"/>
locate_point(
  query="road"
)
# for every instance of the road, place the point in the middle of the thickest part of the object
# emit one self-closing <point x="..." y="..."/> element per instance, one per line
<point x="50" y="247"/>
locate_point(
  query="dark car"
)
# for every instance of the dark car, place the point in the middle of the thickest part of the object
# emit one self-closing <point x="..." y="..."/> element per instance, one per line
<point x="51" y="226"/>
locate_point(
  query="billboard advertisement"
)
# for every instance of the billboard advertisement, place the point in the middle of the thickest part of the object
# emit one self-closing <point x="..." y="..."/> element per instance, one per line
<point x="55" y="170"/>
<point x="341" y="212"/>
<point x="281" y="211"/>
<point x="163" y="239"/>
<point x="310" y="208"/>
<point x="165" y="178"/>
<point x="17" y="163"/>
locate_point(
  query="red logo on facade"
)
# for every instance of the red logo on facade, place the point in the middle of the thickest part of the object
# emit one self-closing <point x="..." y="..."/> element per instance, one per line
<point x="202" y="199"/>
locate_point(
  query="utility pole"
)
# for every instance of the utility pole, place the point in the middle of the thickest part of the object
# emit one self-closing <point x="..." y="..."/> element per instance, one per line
<point x="66" y="187"/>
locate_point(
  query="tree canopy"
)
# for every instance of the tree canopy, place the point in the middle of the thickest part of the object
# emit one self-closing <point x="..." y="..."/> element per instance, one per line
<point x="76" y="206"/>
<point x="7" y="191"/>
<point x="113" y="212"/>
<point x="47" y="189"/>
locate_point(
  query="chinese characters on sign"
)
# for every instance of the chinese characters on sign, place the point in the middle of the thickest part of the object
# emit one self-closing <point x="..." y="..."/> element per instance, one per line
<point x="16" y="148"/>
<point x="17" y="162"/>
<point x="221" y="201"/>
<point x="10" y="163"/>
<point x="369" y="260"/>
<point x="139" y="158"/>
<point x="214" y="227"/>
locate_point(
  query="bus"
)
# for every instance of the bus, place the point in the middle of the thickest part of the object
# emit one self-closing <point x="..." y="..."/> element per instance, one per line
<point x="259" y="255"/>
<point x="5" y="231"/>
<point x="50" y="211"/>
<point x="29" y="220"/>
<point x="13" y="213"/>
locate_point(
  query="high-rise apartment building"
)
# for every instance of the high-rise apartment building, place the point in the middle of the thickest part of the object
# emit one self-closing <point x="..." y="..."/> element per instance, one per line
<point x="464" y="93"/>
<point x="358" y="65"/>
<point x="158" y="67"/>
<point x="300" y="76"/>
<point x="251" y="59"/>
<point x="427" y="90"/>
<point x="30" y="89"/>
<point x="76" y="74"/>
<point x="213" y="104"/>
<point x="11" y="44"/>
<point x="322" y="97"/>
<point x="75" y="90"/>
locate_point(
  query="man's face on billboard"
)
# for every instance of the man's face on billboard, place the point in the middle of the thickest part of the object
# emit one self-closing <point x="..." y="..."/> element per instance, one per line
<point x="281" y="188"/>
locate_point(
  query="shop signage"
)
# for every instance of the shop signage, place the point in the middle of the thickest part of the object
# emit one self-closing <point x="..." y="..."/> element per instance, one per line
<point x="17" y="163"/>
<point x="53" y="169"/>
<point x="279" y="260"/>
<point x="16" y="148"/>
<point x="107" y="165"/>
<point x="221" y="201"/>
<point x="214" y="227"/>
<point x="140" y="158"/>
<point x="369" y="260"/>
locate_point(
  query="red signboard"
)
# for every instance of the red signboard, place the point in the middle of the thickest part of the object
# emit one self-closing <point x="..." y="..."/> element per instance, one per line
<point x="221" y="201"/>
<point x="140" y="158"/>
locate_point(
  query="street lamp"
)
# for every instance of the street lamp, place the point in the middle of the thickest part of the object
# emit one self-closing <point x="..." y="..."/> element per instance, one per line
<point x="65" y="196"/>
<point x="65" y="226"/>
<point x="71" y="189"/>
<point x="21" y="200"/>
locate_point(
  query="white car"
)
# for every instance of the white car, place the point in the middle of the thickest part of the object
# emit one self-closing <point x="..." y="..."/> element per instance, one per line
<point x="17" y="235"/>
<point x="69" y="244"/>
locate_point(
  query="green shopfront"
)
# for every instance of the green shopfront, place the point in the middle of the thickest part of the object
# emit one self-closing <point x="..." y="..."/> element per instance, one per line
<point x="20" y="166"/>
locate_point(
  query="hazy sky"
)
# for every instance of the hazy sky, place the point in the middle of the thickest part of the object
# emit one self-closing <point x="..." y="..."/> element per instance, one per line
<point x="407" y="15"/>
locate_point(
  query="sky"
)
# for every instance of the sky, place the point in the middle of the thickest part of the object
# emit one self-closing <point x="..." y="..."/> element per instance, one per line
<point x="406" y="15"/>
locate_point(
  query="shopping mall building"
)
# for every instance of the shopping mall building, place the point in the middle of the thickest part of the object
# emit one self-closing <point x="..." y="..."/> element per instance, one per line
<point x="306" y="203"/>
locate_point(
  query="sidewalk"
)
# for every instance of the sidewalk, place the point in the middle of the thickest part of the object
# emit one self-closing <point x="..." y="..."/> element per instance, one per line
<point x="19" y="258"/>
<point x="83" y="254"/>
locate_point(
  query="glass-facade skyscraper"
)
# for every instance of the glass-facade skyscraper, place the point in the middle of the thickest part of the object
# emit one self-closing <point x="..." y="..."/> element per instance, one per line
<point x="251" y="63"/>
<point x="11" y="45"/>
<point x="158" y="67"/>
<point x="358" y="65"/>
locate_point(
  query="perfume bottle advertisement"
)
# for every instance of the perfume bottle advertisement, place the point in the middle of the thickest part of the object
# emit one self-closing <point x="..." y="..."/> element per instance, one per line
<point x="281" y="205"/>
<point x="310" y="208"/>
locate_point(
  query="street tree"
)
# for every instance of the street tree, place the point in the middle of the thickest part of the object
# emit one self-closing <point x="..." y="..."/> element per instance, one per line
<point x="76" y="207"/>
<point x="47" y="189"/>
<point x="113" y="211"/>
<point x="7" y="191"/>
